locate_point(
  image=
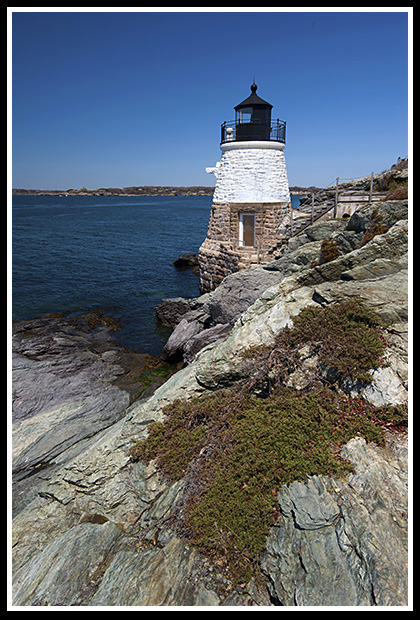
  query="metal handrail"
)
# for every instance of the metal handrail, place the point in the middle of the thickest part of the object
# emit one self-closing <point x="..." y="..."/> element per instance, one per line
<point x="235" y="131"/>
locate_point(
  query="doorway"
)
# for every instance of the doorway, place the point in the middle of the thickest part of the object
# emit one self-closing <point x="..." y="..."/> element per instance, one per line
<point x="247" y="229"/>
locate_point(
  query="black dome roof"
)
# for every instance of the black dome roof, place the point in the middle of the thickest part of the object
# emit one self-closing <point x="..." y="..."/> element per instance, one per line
<point x="253" y="99"/>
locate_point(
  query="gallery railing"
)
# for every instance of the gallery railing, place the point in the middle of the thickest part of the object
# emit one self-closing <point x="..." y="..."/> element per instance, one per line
<point x="233" y="131"/>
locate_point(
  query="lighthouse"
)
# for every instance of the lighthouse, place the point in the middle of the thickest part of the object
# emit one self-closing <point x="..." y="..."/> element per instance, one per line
<point x="251" y="195"/>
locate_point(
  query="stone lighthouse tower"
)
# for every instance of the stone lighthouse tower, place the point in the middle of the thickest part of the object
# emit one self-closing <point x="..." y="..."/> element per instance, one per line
<point x="251" y="196"/>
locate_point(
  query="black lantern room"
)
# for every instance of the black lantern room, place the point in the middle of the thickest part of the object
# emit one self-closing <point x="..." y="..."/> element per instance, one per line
<point x="253" y="121"/>
<point x="253" y="117"/>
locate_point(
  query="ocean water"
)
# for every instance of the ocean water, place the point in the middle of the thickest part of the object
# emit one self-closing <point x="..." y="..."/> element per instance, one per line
<point x="114" y="254"/>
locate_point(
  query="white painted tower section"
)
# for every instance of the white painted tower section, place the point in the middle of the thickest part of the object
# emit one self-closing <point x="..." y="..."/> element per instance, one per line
<point x="251" y="171"/>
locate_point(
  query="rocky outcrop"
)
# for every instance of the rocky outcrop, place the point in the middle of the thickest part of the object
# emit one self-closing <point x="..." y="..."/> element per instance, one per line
<point x="375" y="271"/>
<point x="70" y="384"/>
<point x="210" y="317"/>
<point x="93" y="527"/>
<point x="344" y="543"/>
<point x="186" y="261"/>
<point x="385" y="292"/>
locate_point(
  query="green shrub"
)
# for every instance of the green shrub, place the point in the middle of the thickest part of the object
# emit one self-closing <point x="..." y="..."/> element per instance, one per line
<point x="252" y="447"/>
<point x="236" y="449"/>
<point x="377" y="227"/>
<point x="398" y="193"/>
<point x="173" y="444"/>
<point x="329" y="251"/>
<point x="346" y="336"/>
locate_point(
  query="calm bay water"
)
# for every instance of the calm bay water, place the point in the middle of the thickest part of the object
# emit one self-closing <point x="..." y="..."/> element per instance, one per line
<point x="84" y="253"/>
<point x="115" y="254"/>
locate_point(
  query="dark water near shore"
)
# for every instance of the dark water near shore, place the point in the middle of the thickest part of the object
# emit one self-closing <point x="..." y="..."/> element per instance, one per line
<point x="115" y="254"/>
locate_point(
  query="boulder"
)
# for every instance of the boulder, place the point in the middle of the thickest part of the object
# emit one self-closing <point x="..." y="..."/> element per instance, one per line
<point x="170" y="311"/>
<point x="238" y="292"/>
<point x="344" y="542"/>
<point x="203" y="339"/>
<point x="200" y="318"/>
<point x="186" y="261"/>
<point x="180" y="337"/>
<point x="384" y="213"/>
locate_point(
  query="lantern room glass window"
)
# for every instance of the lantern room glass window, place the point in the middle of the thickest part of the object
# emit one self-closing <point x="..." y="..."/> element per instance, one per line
<point x="244" y="115"/>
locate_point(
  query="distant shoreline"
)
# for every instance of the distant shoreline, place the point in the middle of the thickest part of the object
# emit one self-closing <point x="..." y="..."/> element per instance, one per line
<point x="143" y="190"/>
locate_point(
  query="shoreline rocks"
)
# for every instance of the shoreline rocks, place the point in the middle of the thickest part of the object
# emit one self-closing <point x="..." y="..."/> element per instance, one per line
<point x="186" y="261"/>
<point x="70" y="383"/>
<point x="205" y="319"/>
<point x="194" y="320"/>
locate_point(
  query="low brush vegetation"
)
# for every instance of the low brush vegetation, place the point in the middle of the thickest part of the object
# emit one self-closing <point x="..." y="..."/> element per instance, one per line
<point x="377" y="227"/>
<point x="329" y="251"/>
<point x="347" y="338"/>
<point x="236" y="447"/>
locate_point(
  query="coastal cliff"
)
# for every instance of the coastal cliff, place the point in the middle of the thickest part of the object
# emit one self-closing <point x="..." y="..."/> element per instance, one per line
<point x="104" y="516"/>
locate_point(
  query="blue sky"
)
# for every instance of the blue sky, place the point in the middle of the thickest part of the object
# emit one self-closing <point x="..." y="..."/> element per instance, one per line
<point x="118" y="98"/>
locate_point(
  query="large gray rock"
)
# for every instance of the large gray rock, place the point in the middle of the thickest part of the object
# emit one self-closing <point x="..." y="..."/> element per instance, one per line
<point x="69" y="385"/>
<point x="202" y="324"/>
<point x="66" y="570"/>
<point x="344" y="543"/>
<point x="204" y="338"/>
<point x="170" y="311"/>
<point x="238" y="292"/>
<point x="157" y="576"/>
<point x="384" y="214"/>
<point x="180" y="337"/>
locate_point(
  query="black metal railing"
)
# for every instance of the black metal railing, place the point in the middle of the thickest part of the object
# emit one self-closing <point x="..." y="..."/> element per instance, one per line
<point x="233" y="131"/>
